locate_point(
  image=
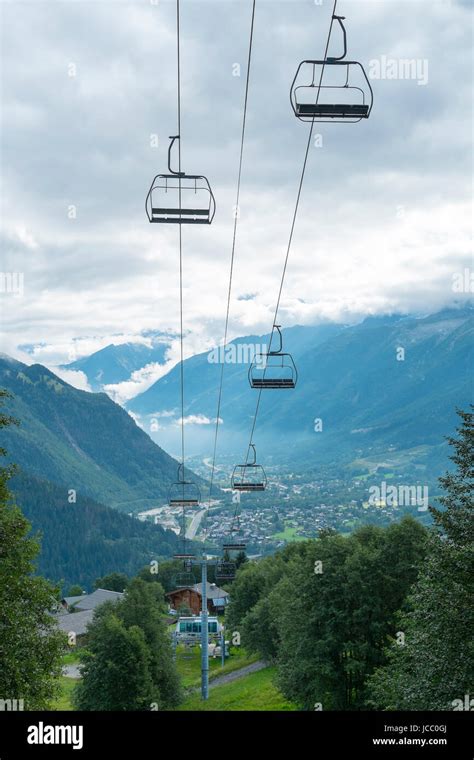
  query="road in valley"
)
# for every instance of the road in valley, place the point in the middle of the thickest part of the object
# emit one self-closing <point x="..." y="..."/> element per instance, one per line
<point x="194" y="524"/>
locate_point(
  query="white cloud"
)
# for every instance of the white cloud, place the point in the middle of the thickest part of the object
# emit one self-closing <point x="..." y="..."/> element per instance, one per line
<point x="26" y="238"/>
<point x="139" y="382"/>
<point x="383" y="216"/>
<point x="73" y="377"/>
<point x="67" y="351"/>
<point x="163" y="414"/>
<point x="197" y="419"/>
<point x="137" y="419"/>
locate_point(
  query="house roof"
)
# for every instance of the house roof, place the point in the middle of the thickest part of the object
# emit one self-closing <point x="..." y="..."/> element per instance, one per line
<point x="178" y="590"/>
<point x="76" y="622"/>
<point x="72" y="599"/>
<point x="101" y="595"/>
<point x="83" y="610"/>
<point x="213" y="591"/>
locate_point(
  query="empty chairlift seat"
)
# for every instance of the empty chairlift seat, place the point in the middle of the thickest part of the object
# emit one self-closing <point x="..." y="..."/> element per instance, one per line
<point x="225" y="570"/>
<point x="184" y="580"/>
<point x="179" y="198"/>
<point x="333" y="110"/>
<point x="185" y="577"/>
<point x="274" y="369"/>
<point x="249" y="476"/>
<point x="184" y="493"/>
<point x="234" y="545"/>
<point x="332" y="89"/>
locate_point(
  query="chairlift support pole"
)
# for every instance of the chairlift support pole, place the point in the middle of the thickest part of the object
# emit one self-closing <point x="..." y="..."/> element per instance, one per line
<point x="174" y="645"/>
<point x="223" y="646"/>
<point x="204" y="562"/>
<point x="204" y="634"/>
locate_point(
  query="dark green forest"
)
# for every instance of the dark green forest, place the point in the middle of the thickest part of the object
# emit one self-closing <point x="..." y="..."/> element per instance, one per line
<point x="84" y="540"/>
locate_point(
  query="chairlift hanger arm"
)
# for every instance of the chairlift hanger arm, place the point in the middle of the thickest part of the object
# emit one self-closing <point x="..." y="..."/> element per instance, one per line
<point x="173" y="138"/>
<point x="254" y="451"/>
<point x="332" y="59"/>
<point x="280" y="347"/>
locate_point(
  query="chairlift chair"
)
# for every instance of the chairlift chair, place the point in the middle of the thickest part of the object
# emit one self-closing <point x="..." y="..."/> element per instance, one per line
<point x="249" y="476"/>
<point x="225" y="570"/>
<point x="180" y="198"/>
<point x="234" y="542"/>
<point x="184" y="493"/>
<point x="227" y="566"/>
<point x="347" y="96"/>
<point x="274" y="369"/>
<point x="184" y="578"/>
<point x="232" y="545"/>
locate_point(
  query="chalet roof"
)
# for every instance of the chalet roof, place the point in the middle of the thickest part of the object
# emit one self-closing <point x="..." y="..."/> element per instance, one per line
<point x="83" y="607"/>
<point x="178" y="590"/>
<point x="213" y="591"/>
<point x="101" y="595"/>
<point x="72" y="599"/>
<point x="76" y="622"/>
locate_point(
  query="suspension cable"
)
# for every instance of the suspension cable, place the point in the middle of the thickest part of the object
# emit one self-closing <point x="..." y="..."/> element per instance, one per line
<point x="232" y="257"/>
<point x="181" y="337"/>
<point x="293" y="223"/>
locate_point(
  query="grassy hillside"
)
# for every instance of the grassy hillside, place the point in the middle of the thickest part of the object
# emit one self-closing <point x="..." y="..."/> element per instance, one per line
<point x="189" y="665"/>
<point x="253" y="692"/>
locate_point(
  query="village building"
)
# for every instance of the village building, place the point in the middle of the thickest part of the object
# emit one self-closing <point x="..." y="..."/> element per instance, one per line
<point x="76" y="612"/>
<point x="190" y="598"/>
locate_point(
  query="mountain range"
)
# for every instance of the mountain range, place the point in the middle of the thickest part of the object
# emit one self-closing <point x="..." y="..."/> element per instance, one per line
<point x="116" y="363"/>
<point x="387" y="383"/>
<point x="83" y="464"/>
<point x="383" y="390"/>
<point x="81" y="440"/>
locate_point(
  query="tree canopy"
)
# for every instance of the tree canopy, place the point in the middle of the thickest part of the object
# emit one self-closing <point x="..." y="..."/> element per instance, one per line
<point x="30" y="644"/>
<point x="128" y="664"/>
<point x="434" y="668"/>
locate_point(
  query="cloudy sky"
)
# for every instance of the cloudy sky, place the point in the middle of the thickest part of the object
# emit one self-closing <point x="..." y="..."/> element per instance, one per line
<point x="384" y="220"/>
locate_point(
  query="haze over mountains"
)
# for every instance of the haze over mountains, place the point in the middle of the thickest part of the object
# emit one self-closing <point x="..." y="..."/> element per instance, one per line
<point x="382" y="390"/>
<point x="386" y="382"/>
